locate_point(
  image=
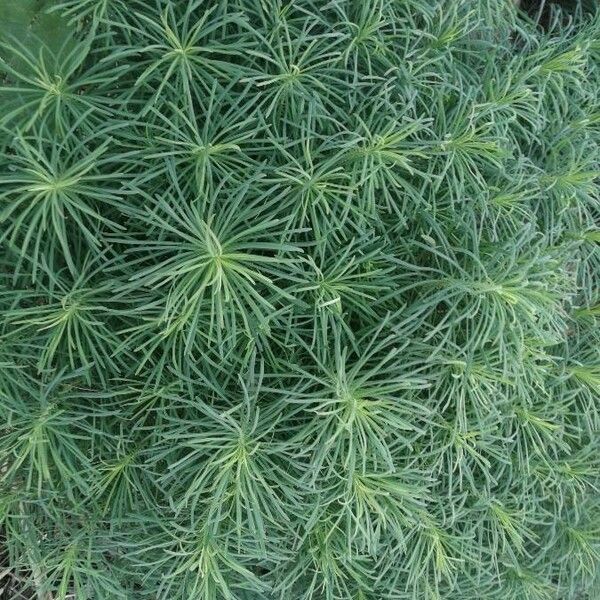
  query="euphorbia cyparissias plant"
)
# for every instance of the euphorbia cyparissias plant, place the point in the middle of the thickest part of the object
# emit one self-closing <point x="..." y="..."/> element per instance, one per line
<point x="299" y="300"/>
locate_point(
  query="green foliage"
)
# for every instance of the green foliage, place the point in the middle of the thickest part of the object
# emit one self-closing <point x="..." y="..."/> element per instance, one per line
<point x="299" y="300"/>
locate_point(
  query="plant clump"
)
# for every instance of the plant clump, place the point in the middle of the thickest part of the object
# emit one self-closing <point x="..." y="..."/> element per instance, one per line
<point x="300" y="301"/>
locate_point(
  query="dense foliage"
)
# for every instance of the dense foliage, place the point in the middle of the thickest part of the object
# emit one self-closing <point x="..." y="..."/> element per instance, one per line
<point x="299" y="301"/>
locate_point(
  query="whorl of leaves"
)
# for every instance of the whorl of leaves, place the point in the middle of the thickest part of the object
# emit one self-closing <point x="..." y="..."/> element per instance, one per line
<point x="299" y="301"/>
